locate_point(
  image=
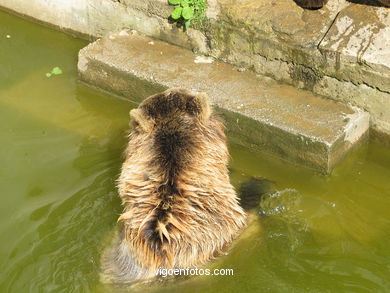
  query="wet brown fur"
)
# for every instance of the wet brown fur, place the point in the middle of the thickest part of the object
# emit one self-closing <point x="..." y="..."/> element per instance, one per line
<point x="180" y="209"/>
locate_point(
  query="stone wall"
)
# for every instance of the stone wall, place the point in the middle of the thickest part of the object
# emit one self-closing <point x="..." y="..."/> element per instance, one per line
<point x="341" y="51"/>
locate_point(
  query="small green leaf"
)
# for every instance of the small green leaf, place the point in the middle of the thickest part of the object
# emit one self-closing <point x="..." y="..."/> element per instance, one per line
<point x="48" y="74"/>
<point x="187" y="23"/>
<point x="174" y="2"/>
<point x="56" y="71"/>
<point x="176" y="13"/>
<point x="188" y="13"/>
<point x="184" y="3"/>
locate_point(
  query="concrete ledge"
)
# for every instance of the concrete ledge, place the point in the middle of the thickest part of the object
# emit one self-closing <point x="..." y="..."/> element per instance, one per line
<point x="261" y="114"/>
<point x="334" y="51"/>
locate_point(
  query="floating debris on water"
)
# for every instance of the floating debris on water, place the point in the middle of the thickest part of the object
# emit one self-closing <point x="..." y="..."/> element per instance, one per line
<point x="55" y="71"/>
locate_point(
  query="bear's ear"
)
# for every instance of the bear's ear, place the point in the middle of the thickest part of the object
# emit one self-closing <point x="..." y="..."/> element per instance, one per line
<point x="138" y="116"/>
<point x="205" y="108"/>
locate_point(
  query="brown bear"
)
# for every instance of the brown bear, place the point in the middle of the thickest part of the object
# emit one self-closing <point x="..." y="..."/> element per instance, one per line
<point x="180" y="209"/>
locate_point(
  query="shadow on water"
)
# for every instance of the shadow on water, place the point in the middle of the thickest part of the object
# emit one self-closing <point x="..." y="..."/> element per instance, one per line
<point x="252" y="190"/>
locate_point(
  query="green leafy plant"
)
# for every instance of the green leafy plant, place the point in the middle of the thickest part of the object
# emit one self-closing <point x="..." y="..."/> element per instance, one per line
<point x="188" y="11"/>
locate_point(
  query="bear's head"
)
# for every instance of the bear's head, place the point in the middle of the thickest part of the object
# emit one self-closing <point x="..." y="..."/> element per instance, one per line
<point x="173" y="105"/>
<point x="181" y="132"/>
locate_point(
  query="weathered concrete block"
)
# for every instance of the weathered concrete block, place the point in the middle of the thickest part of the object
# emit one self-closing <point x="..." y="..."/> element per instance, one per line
<point x="282" y="20"/>
<point x="281" y="40"/>
<point x="377" y="103"/>
<point x="357" y="51"/>
<point x="357" y="39"/>
<point x="261" y="114"/>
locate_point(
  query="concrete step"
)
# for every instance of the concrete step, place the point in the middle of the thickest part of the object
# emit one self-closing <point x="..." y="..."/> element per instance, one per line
<point x="261" y="114"/>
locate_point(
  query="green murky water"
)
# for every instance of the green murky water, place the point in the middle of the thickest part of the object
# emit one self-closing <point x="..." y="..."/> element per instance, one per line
<point x="60" y="154"/>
